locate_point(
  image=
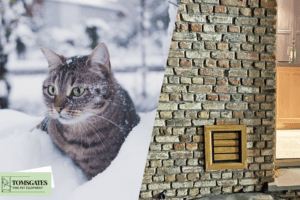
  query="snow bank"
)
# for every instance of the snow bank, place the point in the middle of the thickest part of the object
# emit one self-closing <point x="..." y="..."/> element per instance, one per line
<point x="22" y="149"/>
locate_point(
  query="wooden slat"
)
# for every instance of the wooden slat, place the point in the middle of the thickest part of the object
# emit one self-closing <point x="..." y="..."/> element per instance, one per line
<point x="226" y="157"/>
<point x="226" y="149"/>
<point x="230" y="143"/>
<point x="222" y="136"/>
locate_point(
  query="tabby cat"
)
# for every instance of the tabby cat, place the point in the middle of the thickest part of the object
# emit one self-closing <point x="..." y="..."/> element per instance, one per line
<point x="90" y="115"/>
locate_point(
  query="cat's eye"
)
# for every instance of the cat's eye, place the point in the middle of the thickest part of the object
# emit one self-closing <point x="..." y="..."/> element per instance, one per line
<point x="78" y="91"/>
<point x="52" y="90"/>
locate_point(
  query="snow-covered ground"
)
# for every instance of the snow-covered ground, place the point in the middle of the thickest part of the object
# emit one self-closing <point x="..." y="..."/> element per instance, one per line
<point x="22" y="148"/>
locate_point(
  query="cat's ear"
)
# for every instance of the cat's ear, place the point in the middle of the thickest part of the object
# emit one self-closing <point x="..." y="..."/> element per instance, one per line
<point x="53" y="59"/>
<point x="99" y="57"/>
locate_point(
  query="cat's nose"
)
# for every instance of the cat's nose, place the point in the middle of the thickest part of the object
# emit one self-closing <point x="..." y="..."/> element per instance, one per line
<point x="59" y="109"/>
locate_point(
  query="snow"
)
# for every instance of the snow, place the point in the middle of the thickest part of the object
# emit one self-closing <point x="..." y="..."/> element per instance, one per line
<point x="98" y="3"/>
<point x="35" y="149"/>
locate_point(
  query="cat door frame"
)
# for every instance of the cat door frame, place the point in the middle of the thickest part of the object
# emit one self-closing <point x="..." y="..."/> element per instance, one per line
<point x="240" y="144"/>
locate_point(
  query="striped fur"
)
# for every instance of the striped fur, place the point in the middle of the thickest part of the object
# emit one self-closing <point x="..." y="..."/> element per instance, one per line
<point x="91" y="128"/>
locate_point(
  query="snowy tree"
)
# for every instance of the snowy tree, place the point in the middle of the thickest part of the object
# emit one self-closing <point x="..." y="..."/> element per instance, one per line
<point x="15" y="35"/>
<point x="9" y="17"/>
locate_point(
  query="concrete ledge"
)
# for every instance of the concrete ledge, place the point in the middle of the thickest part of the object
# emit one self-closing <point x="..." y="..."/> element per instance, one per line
<point x="288" y="179"/>
<point x="239" y="196"/>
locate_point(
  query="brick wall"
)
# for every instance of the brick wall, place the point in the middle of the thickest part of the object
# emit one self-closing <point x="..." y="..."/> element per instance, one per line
<point x="220" y="70"/>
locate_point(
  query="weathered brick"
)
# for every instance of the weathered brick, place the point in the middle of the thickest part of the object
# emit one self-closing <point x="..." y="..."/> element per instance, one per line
<point x="268" y="3"/>
<point x="234" y="29"/>
<point x="200" y="88"/>
<point x="197" y="54"/>
<point x="186" y="71"/>
<point x="251" y="121"/>
<point x="220" y="9"/>
<point x="168" y="170"/>
<point x="210" y="63"/>
<point x="158" y="155"/>
<point x="245" y="89"/>
<point x="234" y="38"/>
<point x="173" y="62"/>
<point x="248" y="181"/>
<point x="205" y="183"/>
<point x="259" y="12"/>
<point x="193" y="8"/>
<point x="220" y="19"/>
<point x="185" y="45"/>
<point x="167" y="106"/>
<point x="160" y="186"/>
<point x="193" y="18"/>
<point x="176" y="54"/>
<point x="212" y="97"/>
<point x="247" y="47"/>
<point x="223" y="63"/>
<point x="222" y="55"/>
<point x="208" y="28"/>
<point x="271" y="12"/>
<point x="227" y="121"/>
<point x="247" y="56"/>
<point x="213" y="106"/>
<point x="181" y="154"/>
<point x="167" y="139"/>
<point x="211" y="72"/>
<point x="267" y="57"/>
<point x="220" y="28"/>
<point x="206" y="8"/>
<point x="192" y="169"/>
<point x="233" y="2"/>
<point x="194" y="191"/>
<point x="236" y="106"/>
<point x="233" y="10"/>
<point x="225" y="183"/>
<point x="246" y="11"/>
<point x="237" y="73"/>
<point x="196" y="27"/>
<point x="259" y="30"/>
<point x="210" y="46"/>
<point x="209" y="37"/>
<point x="246" y="21"/>
<point x="202" y="122"/>
<point x="164" y="114"/>
<point x="253" y="3"/>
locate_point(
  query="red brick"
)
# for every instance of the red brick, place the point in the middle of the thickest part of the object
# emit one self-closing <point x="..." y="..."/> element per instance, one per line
<point x="223" y="63"/>
<point x="234" y="29"/>
<point x="224" y="97"/>
<point x="227" y="122"/>
<point x="248" y="56"/>
<point x="238" y="114"/>
<point x="220" y="9"/>
<point x="196" y="27"/>
<point x="212" y="97"/>
<point x="234" y="81"/>
<point x="185" y="63"/>
<point x="179" y="147"/>
<point x="268" y="3"/>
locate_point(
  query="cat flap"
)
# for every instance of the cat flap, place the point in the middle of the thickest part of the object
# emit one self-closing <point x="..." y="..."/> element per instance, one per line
<point x="53" y="59"/>
<point x="99" y="56"/>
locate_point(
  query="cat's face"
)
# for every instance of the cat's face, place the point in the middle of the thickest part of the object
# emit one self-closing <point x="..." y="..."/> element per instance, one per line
<point x="78" y="88"/>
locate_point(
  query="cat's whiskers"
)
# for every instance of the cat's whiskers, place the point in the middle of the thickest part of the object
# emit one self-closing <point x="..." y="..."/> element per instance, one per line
<point x="103" y="150"/>
<point x="87" y="138"/>
<point x="103" y="118"/>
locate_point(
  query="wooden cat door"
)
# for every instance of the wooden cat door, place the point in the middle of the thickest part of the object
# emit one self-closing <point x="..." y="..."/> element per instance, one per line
<point x="225" y="147"/>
